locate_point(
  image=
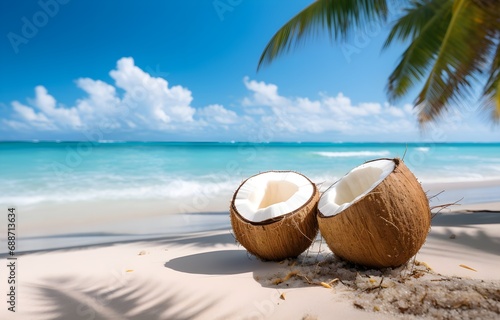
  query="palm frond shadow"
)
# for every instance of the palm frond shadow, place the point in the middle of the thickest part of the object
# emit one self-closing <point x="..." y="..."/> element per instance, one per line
<point x="200" y="240"/>
<point x="464" y="219"/>
<point x="472" y="236"/>
<point x="479" y="240"/>
<point x="67" y="298"/>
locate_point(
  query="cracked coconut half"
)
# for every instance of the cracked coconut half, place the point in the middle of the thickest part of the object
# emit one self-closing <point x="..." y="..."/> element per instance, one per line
<point x="377" y="215"/>
<point x="273" y="214"/>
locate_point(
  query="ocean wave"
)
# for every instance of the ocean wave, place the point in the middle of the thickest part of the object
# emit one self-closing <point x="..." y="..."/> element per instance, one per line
<point x="174" y="189"/>
<point x="200" y="189"/>
<point x="111" y="141"/>
<point x="423" y="149"/>
<point x="353" y="154"/>
<point x="109" y="187"/>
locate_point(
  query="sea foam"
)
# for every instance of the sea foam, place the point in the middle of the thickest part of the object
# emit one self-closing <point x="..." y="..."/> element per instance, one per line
<point x="352" y="154"/>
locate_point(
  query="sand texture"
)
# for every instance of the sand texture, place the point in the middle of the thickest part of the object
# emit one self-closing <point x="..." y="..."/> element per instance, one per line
<point x="206" y="275"/>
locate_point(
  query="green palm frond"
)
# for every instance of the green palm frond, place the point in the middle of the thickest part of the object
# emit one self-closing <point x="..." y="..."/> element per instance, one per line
<point x="454" y="47"/>
<point x="460" y="60"/>
<point x="415" y="19"/>
<point x="339" y="17"/>
<point x="491" y="93"/>
<point x="427" y="38"/>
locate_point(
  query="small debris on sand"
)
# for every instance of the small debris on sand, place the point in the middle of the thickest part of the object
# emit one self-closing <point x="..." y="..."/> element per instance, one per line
<point x="412" y="290"/>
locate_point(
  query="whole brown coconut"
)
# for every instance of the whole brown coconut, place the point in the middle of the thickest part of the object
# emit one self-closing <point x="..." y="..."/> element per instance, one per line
<point x="273" y="214"/>
<point x="377" y="215"/>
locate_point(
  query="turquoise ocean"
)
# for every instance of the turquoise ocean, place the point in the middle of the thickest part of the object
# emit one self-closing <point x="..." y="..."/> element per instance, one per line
<point x="40" y="172"/>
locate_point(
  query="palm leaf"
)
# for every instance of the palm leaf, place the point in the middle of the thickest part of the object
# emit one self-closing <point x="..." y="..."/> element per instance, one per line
<point x="415" y="61"/>
<point x="454" y="44"/>
<point x="492" y="88"/>
<point x="414" y="20"/>
<point x="339" y="17"/>
<point x="491" y="93"/>
<point x="464" y="51"/>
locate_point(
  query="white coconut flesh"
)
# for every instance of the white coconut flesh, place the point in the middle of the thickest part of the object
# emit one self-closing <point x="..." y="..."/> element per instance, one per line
<point x="354" y="186"/>
<point x="272" y="194"/>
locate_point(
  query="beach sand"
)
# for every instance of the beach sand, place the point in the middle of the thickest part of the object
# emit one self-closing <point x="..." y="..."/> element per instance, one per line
<point x="189" y="266"/>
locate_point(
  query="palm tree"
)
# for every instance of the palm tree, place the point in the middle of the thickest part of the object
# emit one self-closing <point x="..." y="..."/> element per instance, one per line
<point x="454" y="47"/>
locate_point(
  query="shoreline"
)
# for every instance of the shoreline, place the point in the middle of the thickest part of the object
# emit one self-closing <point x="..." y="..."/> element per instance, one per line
<point x="54" y="225"/>
<point x="467" y="193"/>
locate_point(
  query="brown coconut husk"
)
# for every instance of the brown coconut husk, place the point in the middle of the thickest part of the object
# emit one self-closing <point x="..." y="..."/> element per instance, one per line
<point x="386" y="227"/>
<point x="283" y="237"/>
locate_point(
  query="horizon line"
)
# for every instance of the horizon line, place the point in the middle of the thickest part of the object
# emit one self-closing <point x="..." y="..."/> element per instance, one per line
<point x="109" y="141"/>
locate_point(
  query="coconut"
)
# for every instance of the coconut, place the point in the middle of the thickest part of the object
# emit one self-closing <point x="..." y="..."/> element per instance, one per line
<point x="273" y="214"/>
<point x="377" y="215"/>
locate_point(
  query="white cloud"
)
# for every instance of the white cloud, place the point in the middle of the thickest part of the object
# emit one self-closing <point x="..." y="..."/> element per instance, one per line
<point x="101" y="98"/>
<point x="28" y="113"/>
<point x="327" y="114"/>
<point x="138" y="101"/>
<point x="147" y="102"/>
<point x="219" y="114"/>
<point x="160" y="103"/>
<point x="408" y="108"/>
<point x="263" y="94"/>
<point x="44" y="114"/>
<point x="342" y="107"/>
<point x="16" y="125"/>
<point x="66" y="117"/>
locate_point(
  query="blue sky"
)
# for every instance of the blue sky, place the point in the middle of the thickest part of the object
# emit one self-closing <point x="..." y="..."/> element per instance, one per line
<point x="186" y="70"/>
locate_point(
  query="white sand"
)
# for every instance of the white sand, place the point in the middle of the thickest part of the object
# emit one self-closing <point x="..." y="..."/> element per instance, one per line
<point x="205" y="275"/>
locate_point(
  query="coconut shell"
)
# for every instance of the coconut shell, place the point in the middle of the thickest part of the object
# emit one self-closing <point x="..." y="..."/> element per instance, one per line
<point x="283" y="237"/>
<point x="386" y="227"/>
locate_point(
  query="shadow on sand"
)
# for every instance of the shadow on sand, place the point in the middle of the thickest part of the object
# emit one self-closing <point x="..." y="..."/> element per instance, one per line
<point x="200" y="240"/>
<point x="459" y="219"/>
<point x="119" y="296"/>
<point x="471" y="235"/>
<point x="220" y="262"/>
<point x="89" y="298"/>
<point x="479" y="240"/>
